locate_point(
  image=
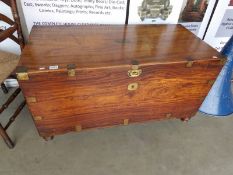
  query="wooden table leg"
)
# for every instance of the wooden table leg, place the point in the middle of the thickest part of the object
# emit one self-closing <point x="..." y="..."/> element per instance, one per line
<point x="6" y="138"/>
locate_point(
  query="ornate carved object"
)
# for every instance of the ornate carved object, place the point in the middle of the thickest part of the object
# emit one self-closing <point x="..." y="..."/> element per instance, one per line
<point x="154" y="9"/>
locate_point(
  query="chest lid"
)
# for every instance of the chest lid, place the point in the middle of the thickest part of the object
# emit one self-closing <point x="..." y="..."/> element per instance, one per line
<point x="82" y="47"/>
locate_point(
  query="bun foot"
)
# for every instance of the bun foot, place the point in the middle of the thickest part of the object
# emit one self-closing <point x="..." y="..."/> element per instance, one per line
<point x="48" y="138"/>
<point x="186" y="119"/>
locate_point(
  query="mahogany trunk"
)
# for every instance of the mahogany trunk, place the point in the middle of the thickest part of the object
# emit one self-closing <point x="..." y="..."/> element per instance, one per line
<point x="84" y="77"/>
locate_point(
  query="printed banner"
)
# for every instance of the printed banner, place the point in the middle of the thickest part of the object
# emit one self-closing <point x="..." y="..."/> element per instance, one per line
<point x="221" y="25"/>
<point x="73" y="12"/>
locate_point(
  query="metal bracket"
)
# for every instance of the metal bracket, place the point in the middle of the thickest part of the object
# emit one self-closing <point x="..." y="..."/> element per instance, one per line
<point x="78" y="128"/>
<point x="126" y="122"/>
<point x="31" y="99"/>
<point x="38" y="118"/>
<point x="211" y="82"/>
<point x="223" y="61"/>
<point x="135" y="71"/>
<point x="71" y="70"/>
<point x="22" y="73"/>
<point x="189" y="64"/>
<point x="168" y="116"/>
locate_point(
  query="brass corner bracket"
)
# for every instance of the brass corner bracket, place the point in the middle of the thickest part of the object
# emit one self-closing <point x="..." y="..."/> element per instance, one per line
<point x="71" y="70"/>
<point x="189" y="64"/>
<point x="22" y="73"/>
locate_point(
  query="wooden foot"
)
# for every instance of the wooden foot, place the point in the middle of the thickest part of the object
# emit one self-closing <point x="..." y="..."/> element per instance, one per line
<point x="4" y="88"/>
<point x="6" y="138"/>
<point x="48" y="138"/>
<point x="186" y="119"/>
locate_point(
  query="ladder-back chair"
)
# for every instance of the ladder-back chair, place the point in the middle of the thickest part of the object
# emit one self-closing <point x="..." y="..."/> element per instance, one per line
<point x="8" y="63"/>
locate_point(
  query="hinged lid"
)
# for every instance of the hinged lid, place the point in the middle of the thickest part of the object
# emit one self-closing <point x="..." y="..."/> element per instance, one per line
<point x="55" y="47"/>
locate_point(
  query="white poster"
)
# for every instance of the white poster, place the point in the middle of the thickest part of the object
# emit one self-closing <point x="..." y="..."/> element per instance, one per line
<point x="221" y="25"/>
<point x="195" y="15"/>
<point x="73" y="12"/>
<point x="7" y="45"/>
<point x="154" y="11"/>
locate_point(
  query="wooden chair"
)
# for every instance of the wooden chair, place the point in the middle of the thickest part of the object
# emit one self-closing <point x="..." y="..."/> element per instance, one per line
<point x="8" y="63"/>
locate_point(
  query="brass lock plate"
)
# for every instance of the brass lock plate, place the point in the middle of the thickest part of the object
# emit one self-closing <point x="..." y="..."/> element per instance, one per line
<point x="133" y="86"/>
<point x="134" y="72"/>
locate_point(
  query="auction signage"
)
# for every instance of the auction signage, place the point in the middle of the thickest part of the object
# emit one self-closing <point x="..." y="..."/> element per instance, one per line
<point x="221" y="25"/>
<point x="73" y="12"/>
<point x="192" y="14"/>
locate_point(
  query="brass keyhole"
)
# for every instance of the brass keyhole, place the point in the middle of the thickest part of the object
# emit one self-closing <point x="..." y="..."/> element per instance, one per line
<point x="133" y="86"/>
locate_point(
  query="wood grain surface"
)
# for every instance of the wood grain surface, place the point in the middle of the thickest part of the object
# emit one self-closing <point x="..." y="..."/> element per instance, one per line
<point x="104" y="46"/>
<point x="98" y="96"/>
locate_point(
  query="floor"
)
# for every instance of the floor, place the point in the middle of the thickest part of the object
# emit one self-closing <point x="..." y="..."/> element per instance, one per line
<point x="203" y="146"/>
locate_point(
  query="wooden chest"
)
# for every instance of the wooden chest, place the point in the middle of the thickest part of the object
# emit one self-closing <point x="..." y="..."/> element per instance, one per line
<point x="77" y="78"/>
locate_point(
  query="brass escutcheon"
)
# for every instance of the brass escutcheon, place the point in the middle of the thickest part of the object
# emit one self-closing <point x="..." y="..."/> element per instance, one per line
<point x="133" y="86"/>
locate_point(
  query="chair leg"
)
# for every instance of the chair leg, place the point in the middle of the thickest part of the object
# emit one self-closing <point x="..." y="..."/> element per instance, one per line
<point x="3" y="132"/>
<point x="15" y="115"/>
<point x="10" y="99"/>
<point x="6" y="138"/>
<point x="4" y="88"/>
